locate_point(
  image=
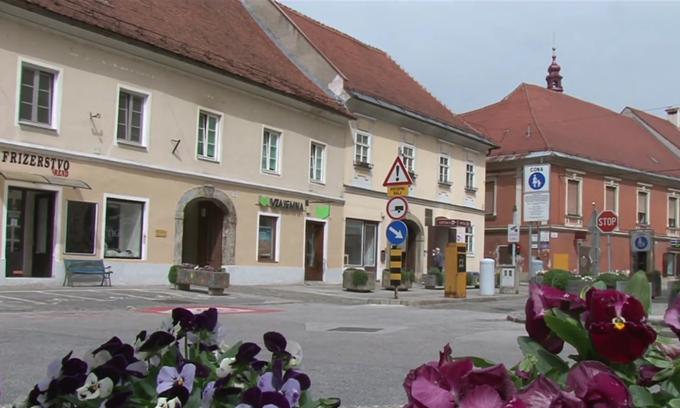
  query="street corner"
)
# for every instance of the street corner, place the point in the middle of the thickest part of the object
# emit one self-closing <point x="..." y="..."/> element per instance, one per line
<point x="198" y="309"/>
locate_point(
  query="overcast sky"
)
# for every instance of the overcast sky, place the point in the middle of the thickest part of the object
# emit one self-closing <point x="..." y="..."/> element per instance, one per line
<point x="472" y="54"/>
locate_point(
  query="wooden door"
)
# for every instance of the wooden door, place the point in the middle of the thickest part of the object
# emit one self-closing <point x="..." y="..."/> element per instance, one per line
<point x="314" y="251"/>
<point x="43" y="234"/>
<point x="210" y="221"/>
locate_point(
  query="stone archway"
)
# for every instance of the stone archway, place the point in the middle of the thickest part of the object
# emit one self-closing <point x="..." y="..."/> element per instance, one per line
<point x="415" y="244"/>
<point x="224" y="203"/>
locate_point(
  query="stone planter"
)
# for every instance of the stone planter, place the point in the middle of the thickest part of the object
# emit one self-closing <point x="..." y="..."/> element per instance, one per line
<point x="215" y="281"/>
<point x="621" y="285"/>
<point x="430" y="281"/>
<point x="386" y="282"/>
<point x="348" y="283"/>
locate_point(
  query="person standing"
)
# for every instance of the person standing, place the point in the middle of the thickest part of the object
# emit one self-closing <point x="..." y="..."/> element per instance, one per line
<point x="438" y="259"/>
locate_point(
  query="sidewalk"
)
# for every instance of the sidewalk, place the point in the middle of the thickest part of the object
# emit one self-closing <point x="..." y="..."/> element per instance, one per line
<point x="415" y="296"/>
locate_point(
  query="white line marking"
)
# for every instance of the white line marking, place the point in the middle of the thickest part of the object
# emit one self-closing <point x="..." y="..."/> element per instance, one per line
<point x="54" y="293"/>
<point x="35" y="302"/>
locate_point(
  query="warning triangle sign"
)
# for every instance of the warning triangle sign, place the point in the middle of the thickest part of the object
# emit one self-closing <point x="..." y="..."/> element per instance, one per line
<point x="398" y="175"/>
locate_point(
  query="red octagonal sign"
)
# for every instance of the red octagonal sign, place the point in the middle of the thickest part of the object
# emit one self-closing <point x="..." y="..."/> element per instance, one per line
<point x="607" y="221"/>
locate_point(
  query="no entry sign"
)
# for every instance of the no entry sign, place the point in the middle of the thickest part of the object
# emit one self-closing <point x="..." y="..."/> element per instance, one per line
<point x="607" y="221"/>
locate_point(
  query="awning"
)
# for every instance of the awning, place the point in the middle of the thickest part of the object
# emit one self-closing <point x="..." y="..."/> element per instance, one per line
<point x="38" y="179"/>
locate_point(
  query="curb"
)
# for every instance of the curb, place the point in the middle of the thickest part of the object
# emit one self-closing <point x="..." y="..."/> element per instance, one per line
<point x="443" y="301"/>
<point x="658" y="320"/>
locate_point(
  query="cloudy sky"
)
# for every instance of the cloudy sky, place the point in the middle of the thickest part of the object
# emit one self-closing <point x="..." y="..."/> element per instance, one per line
<point x="471" y="54"/>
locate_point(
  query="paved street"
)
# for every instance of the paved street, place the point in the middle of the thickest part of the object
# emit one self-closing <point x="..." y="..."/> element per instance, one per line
<point x="353" y="350"/>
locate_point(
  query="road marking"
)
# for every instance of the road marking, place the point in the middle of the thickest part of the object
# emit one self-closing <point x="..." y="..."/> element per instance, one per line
<point x="199" y="309"/>
<point x="55" y="293"/>
<point x="35" y="302"/>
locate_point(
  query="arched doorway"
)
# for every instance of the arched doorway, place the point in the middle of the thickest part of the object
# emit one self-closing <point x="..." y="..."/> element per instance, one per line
<point x="205" y="228"/>
<point x="414" y="246"/>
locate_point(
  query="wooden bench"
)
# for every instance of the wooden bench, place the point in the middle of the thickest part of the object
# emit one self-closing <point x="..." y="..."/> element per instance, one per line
<point x="86" y="267"/>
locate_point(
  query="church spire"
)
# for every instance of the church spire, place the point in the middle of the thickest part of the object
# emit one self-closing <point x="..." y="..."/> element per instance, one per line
<point x="554" y="79"/>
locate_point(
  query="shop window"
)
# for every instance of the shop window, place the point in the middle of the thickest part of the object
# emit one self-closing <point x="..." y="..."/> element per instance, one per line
<point x="123" y="228"/>
<point x="81" y="218"/>
<point x="267" y="238"/>
<point x="37" y="95"/>
<point x="208" y="135"/>
<point x="271" y="146"/>
<point x="132" y="107"/>
<point x="361" y="243"/>
<point x="317" y="159"/>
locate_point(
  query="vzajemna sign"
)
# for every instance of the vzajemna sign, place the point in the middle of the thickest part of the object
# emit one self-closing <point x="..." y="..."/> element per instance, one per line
<point x="59" y="167"/>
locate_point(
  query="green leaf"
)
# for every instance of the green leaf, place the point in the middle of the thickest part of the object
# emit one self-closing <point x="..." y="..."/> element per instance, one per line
<point x="659" y="362"/>
<point x="479" y="361"/>
<point x="599" y="285"/>
<point x="545" y="361"/>
<point x="641" y="396"/>
<point x="638" y="287"/>
<point x="674" y="403"/>
<point x="569" y="330"/>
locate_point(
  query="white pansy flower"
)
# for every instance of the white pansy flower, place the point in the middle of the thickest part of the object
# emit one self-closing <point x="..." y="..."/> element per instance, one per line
<point x="225" y="367"/>
<point x="295" y="351"/>
<point x="166" y="403"/>
<point x="95" y="388"/>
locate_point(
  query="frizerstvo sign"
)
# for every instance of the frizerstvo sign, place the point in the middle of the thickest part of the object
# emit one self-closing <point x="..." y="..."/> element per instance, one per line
<point x="59" y="167"/>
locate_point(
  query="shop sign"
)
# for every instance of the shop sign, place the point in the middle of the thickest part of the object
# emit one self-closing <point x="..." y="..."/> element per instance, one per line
<point x="449" y="222"/>
<point x="59" y="167"/>
<point x="281" y="203"/>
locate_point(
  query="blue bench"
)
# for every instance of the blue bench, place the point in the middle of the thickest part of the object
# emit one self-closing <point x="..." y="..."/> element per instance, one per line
<point x="86" y="267"/>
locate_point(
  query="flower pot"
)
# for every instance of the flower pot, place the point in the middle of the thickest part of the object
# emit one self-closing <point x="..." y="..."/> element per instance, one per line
<point x="215" y="281"/>
<point x="349" y="284"/>
<point x="430" y="281"/>
<point x="405" y="285"/>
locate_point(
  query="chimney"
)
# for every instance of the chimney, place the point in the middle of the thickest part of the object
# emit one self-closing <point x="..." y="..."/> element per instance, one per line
<point x="673" y="116"/>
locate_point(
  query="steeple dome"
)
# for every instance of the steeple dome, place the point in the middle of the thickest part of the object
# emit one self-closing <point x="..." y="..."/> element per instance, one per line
<point x="554" y="79"/>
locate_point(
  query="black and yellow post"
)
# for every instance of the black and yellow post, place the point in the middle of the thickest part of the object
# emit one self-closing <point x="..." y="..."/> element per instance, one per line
<point x="395" y="269"/>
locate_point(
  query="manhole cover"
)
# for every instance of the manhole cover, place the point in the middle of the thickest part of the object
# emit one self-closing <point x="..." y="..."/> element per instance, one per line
<point x="357" y="329"/>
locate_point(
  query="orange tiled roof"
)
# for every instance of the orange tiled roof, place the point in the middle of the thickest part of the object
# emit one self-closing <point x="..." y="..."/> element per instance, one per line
<point x="662" y="126"/>
<point x="532" y="118"/>
<point x="219" y="34"/>
<point x="371" y="72"/>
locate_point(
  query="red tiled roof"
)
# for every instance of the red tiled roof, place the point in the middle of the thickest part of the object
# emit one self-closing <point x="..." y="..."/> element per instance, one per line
<point x="371" y="72"/>
<point x="532" y="118"/>
<point x="218" y="33"/>
<point x="663" y="126"/>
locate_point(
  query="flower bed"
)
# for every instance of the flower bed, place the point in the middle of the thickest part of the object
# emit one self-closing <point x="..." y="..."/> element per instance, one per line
<point x="620" y="360"/>
<point x="183" y="364"/>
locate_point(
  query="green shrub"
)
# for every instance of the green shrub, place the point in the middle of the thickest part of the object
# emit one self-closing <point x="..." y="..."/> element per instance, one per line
<point x="557" y="278"/>
<point x="172" y="274"/>
<point x="359" y="277"/>
<point x="407" y="276"/>
<point x="610" y="279"/>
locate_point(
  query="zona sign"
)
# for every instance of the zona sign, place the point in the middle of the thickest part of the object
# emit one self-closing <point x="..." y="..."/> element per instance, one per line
<point x="607" y="221"/>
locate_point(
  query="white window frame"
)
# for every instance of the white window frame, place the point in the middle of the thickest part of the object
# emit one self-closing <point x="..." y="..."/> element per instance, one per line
<point x="470" y="173"/>
<point x="412" y="168"/>
<point x="145" y="225"/>
<point x="57" y="90"/>
<point x="363" y="242"/>
<point x="146" y="116"/>
<point x="614" y="184"/>
<point x="470" y="240"/>
<point x="573" y="219"/>
<point x="368" y="146"/>
<point x="446" y="169"/>
<point x="495" y="197"/>
<point x="277" y="238"/>
<point x="676" y="196"/>
<point x="648" y="192"/>
<point x="218" y="134"/>
<point x="279" y="151"/>
<point x="312" y="163"/>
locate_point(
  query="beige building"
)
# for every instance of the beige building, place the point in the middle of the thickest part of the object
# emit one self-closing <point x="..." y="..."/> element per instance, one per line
<point x="246" y="137"/>
<point x="129" y="139"/>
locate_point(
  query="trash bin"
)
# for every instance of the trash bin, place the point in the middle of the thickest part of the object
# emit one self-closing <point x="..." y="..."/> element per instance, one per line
<point x="487" y="277"/>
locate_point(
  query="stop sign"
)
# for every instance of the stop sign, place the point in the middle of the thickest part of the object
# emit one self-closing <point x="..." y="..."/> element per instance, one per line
<point x="607" y="221"/>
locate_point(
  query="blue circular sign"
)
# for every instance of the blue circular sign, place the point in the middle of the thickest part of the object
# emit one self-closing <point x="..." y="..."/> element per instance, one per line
<point x="536" y="181"/>
<point x="396" y="232"/>
<point x="641" y="243"/>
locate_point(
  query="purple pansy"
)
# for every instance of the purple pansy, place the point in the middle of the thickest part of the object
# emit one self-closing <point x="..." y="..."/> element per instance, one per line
<point x="597" y="386"/>
<point x="672" y="317"/>
<point x="173" y="383"/>
<point x="541" y="299"/>
<point x="617" y="325"/>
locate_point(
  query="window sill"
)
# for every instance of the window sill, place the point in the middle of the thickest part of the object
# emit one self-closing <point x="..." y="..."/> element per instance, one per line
<point x="363" y="165"/>
<point x="208" y="159"/>
<point x="318" y="182"/>
<point x="673" y="231"/>
<point x="39" y="126"/>
<point x="471" y="190"/>
<point x="445" y="184"/>
<point x="269" y="261"/>
<point x="270" y="173"/>
<point x="490" y="217"/>
<point x="132" y="145"/>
